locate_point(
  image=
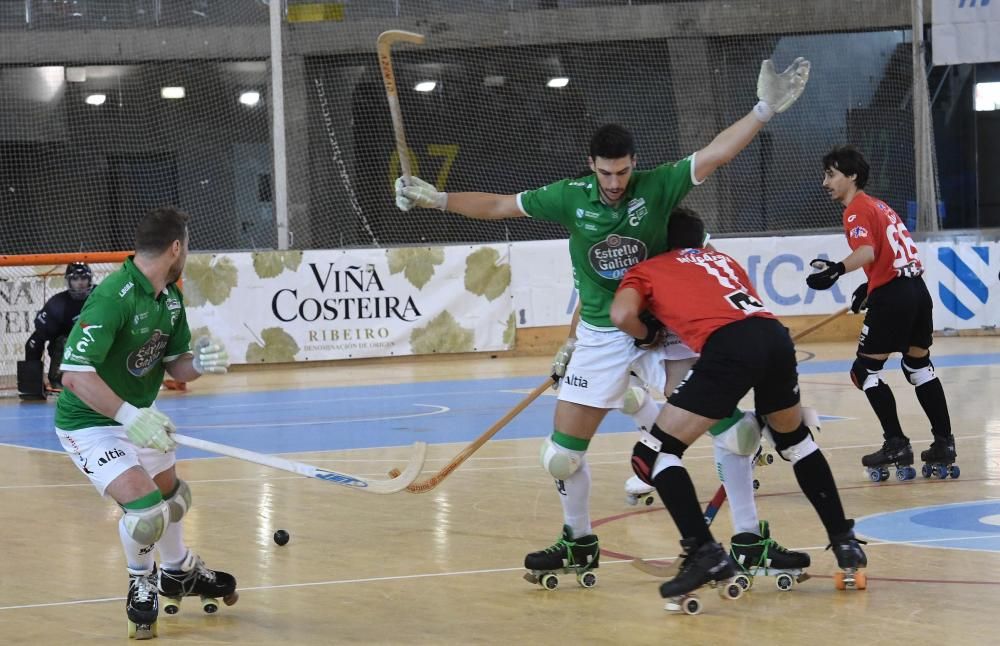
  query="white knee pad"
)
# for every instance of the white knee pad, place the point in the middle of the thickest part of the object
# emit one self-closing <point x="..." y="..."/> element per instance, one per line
<point x="664" y="461"/>
<point x="742" y="438"/>
<point x="809" y="417"/>
<point x="560" y="461"/>
<point x="146" y="526"/>
<point x="180" y="502"/>
<point x="798" y="451"/>
<point x="920" y="376"/>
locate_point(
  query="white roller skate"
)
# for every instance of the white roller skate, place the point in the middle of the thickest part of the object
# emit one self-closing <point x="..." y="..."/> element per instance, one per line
<point x="636" y="490"/>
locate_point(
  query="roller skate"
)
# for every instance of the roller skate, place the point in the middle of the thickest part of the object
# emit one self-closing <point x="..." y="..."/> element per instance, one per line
<point x="194" y="579"/>
<point x="637" y="491"/>
<point x="760" y="555"/>
<point x="939" y="460"/>
<point x="896" y="452"/>
<point x="707" y="564"/>
<point x="850" y="559"/>
<point x="141" y="605"/>
<point x="580" y="556"/>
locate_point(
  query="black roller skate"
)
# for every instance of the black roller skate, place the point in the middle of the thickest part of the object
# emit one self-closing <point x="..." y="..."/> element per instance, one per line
<point x="850" y="558"/>
<point x="194" y="579"/>
<point x="895" y="451"/>
<point x="578" y="555"/>
<point x="761" y="555"/>
<point x="141" y="605"/>
<point x="939" y="460"/>
<point x="707" y="564"/>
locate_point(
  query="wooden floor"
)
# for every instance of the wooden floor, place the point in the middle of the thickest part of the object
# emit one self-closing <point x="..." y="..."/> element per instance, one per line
<point x="444" y="567"/>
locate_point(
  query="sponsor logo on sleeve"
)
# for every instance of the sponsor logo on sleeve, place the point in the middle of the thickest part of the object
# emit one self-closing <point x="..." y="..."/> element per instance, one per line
<point x="859" y="232"/>
<point x="852" y="217"/>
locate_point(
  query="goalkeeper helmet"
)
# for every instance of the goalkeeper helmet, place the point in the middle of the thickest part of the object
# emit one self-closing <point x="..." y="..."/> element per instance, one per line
<point x="79" y="280"/>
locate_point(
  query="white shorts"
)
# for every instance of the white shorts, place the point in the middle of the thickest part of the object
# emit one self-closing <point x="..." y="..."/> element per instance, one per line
<point x="103" y="453"/>
<point x="598" y="371"/>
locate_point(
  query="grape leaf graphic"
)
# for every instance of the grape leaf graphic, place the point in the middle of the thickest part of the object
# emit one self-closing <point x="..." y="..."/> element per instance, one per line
<point x="416" y="263"/>
<point x="278" y="347"/>
<point x="483" y="276"/>
<point x="441" y="334"/>
<point x="208" y="278"/>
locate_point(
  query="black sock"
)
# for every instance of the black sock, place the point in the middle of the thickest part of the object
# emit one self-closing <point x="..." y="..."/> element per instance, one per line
<point x="676" y="490"/>
<point x="884" y="405"/>
<point x="816" y="481"/>
<point x="931" y="398"/>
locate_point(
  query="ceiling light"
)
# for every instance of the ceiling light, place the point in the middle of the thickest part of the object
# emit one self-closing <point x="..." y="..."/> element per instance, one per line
<point x="987" y="96"/>
<point x="425" y="86"/>
<point x="250" y="98"/>
<point x="558" y="81"/>
<point x="172" y="92"/>
<point x="96" y="99"/>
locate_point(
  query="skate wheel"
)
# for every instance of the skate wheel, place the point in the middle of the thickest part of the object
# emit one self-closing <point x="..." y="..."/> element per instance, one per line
<point x="901" y="473"/>
<point x="631" y="500"/>
<point x="549" y="581"/>
<point x="911" y="473"/>
<point x="172" y="606"/>
<point x="230" y="599"/>
<point x="926" y="470"/>
<point x="838" y="581"/>
<point x="954" y="471"/>
<point x="587" y="579"/>
<point x="768" y="458"/>
<point x="141" y="631"/>
<point x="731" y="590"/>
<point x="743" y="581"/>
<point x="756" y="484"/>
<point x="784" y="582"/>
<point x="874" y="475"/>
<point x="940" y="471"/>
<point x="648" y="500"/>
<point x="860" y="581"/>
<point x="691" y="605"/>
<point x="209" y="605"/>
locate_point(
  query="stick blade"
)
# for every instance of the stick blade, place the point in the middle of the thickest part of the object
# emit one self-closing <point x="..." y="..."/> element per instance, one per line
<point x="657" y="568"/>
<point x="393" y="36"/>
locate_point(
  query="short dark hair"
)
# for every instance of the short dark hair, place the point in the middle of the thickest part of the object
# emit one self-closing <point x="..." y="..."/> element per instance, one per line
<point x="849" y="161"/>
<point x="159" y="228"/>
<point x="685" y="229"/>
<point x="612" y="141"/>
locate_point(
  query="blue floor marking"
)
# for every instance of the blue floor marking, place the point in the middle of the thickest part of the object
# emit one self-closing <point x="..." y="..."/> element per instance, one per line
<point x="330" y="419"/>
<point x="952" y="526"/>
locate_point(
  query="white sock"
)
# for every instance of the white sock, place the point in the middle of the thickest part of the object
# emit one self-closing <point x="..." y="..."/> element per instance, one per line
<point x="171" y="547"/>
<point x="736" y="474"/>
<point x="575" y="498"/>
<point x="138" y="557"/>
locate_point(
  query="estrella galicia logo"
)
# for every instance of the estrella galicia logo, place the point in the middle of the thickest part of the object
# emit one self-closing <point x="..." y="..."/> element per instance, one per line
<point x="340" y="478"/>
<point x="615" y="255"/>
<point x="142" y="360"/>
<point x="965" y="276"/>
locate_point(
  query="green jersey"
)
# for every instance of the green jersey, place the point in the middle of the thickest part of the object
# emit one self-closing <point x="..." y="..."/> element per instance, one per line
<point x="125" y="333"/>
<point x="606" y="241"/>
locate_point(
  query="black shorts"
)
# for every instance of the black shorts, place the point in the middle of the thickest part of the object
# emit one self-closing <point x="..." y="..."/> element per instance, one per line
<point x="900" y="314"/>
<point x="755" y="353"/>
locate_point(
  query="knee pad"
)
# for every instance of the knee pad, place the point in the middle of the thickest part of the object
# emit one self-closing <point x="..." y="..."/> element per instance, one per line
<point x="179" y="501"/>
<point x="654" y="452"/>
<point x="795" y="445"/>
<point x="146" y="526"/>
<point x="560" y="461"/>
<point x="918" y="371"/>
<point x="865" y="372"/>
<point x="634" y="398"/>
<point x="742" y="438"/>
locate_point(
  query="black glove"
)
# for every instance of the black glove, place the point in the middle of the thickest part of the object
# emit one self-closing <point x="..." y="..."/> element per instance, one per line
<point x="654" y="331"/>
<point x="859" y="300"/>
<point x="828" y="274"/>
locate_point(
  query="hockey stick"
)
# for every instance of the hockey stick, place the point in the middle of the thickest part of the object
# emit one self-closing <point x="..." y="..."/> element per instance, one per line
<point x="385" y="42"/>
<point x="410" y="474"/>
<point x="815" y="326"/>
<point x="428" y="484"/>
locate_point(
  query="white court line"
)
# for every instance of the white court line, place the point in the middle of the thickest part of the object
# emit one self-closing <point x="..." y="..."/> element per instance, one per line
<point x="320" y="422"/>
<point x="434" y="575"/>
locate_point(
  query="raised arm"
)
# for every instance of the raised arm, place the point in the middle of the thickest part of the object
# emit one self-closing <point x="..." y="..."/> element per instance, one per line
<point x="777" y="92"/>
<point x="479" y="206"/>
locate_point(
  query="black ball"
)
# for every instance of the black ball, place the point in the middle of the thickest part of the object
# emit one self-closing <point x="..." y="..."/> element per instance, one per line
<point x="281" y="537"/>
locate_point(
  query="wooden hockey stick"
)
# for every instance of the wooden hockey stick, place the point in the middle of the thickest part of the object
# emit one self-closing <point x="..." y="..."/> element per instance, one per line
<point x="385" y="42"/>
<point x="670" y="570"/>
<point x="428" y="484"/>
<point x="413" y="468"/>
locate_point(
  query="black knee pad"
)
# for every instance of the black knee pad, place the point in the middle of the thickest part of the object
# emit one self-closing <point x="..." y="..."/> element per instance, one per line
<point x="784" y="440"/>
<point x="863" y="369"/>
<point x="918" y="370"/>
<point x="644" y="456"/>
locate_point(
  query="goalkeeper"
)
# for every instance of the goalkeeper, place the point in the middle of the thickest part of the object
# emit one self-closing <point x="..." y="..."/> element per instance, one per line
<point x="132" y="328"/>
<point x="616" y="218"/>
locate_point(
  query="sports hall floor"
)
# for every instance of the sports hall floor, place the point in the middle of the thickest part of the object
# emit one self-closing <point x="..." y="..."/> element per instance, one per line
<point x="444" y="567"/>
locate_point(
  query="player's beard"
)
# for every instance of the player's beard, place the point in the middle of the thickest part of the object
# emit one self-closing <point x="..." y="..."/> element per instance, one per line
<point x="175" y="271"/>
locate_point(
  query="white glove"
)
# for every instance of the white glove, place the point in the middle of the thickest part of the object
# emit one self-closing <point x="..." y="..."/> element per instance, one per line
<point x="777" y="92"/>
<point x="210" y="356"/>
<point x="561" y="360"/>
<point x="147" y="427"/>
<point x="419" y="193"/>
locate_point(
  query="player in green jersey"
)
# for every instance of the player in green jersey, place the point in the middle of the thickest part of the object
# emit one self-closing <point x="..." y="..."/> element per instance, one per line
<point x="131" y="330"/>
<point x="616" y="218"/>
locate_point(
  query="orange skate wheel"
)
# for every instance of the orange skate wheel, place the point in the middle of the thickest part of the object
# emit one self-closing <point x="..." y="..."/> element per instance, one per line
<point x="838" y="581"/>
<point x="860" y="581"/>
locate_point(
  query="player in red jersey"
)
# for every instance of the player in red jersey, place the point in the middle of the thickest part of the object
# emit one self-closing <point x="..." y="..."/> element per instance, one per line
<point x="899" y="318"/>
<point x="706" y="298"/>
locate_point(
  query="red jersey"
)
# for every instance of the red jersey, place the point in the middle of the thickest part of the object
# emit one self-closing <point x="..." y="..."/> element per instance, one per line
<point x="872" y="222"/>
<point x="694" y="292"/>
